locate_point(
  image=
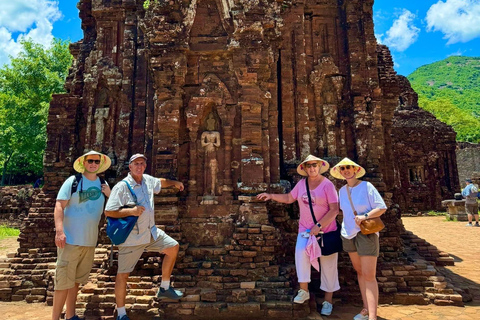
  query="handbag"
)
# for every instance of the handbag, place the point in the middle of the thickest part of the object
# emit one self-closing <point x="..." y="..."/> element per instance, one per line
<point x="118" y="229"/>
<point x="370" y="225"/>
<point x="329" y="242"/>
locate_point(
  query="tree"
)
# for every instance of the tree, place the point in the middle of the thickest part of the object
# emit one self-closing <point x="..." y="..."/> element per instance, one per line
<point x="26" y="88"/>
<point x="449" y="89"/>
<point x="465" y="125"/>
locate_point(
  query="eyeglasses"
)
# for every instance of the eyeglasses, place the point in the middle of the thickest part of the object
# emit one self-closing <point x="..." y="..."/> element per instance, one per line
<point x="346" y="167"/>
<point x="90" y="161"/>
<point x="309" y="165"/>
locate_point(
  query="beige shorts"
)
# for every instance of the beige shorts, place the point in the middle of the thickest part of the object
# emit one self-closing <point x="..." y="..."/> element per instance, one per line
<point x="74" y="264"/>
<point x="128" y="255"/>
<point x="364" y="245"/>
<point x="471" y="208"/>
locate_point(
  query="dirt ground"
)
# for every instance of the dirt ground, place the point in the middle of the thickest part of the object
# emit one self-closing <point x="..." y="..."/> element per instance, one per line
<point x="7" y="245"/>
<point x="452" y="237"/>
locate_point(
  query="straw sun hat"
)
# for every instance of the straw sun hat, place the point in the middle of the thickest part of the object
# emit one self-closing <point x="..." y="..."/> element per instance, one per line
<point x="105" y="162"/>
<point x="335" y="171"/>
<point x="322" y="163"/>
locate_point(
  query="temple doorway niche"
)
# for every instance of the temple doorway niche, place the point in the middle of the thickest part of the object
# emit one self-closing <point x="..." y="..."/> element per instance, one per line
<point x="328" y="83"/>
<point x="210" y="115"/>
<point x="212" y="152"/>
<point x="103" y="104"/>
<point x="103" y="128"/>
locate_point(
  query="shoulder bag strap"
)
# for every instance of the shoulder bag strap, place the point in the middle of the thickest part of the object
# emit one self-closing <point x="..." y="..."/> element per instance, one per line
<point x="310" y="201"/>
<point x="351" y="202"/>
<point x="131" y="191"/>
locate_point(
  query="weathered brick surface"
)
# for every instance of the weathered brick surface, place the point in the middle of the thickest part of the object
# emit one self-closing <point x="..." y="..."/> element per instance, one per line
<point x="468" y="156"/>
<point x="15" y="202"/>
<point x="227" y="97"/>
<point x="427" y="171"/>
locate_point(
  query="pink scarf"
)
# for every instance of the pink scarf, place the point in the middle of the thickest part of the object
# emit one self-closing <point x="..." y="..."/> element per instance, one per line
<point x="313" y="251"/>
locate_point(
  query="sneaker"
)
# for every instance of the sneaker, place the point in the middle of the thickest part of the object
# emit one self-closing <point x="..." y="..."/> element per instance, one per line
<point x="477" y="225"/>
<point x="363" y="315"/>
<point x="327" y="308"/>
<point x="124" y="317"/>
<point x="170" y="293"/>
<point x="302" y="296"/>
<point x="469" y="225"/>
<point x="75" y="317"/>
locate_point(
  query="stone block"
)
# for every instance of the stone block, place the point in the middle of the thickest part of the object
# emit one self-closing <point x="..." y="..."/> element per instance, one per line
<point x="247" y="285"/>
<point x="208" y="310"/>
<point x="250" y="309"/>
<point x="185" y="312"/>
<point x="191" y="298"/>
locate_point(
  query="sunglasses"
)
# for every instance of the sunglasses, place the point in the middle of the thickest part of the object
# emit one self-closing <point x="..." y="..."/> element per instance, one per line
<point x="345" y="167"/>
<point x="90" y="161"/>
<point x="309" y="165"/>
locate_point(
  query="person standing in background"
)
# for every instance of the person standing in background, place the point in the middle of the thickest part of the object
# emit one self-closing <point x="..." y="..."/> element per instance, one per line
<point x="471" y="206"/>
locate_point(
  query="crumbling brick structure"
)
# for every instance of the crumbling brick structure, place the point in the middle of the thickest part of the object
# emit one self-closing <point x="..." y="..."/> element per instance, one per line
<point x="227" y="96"/>
<point x="15" y="202"/>
<point x="425" y="156"/>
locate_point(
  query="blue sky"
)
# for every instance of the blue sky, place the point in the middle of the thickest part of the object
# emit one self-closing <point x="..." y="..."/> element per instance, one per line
<point x="418" y="32"/>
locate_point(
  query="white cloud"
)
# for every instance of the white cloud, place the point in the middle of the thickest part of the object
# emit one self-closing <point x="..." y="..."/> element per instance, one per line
<point x="403" y="33"/>
<point x="379" y="37"/>
<point x="459" y="52"/>
<point x="25" y="19"/>
<point x="458" y="20"/>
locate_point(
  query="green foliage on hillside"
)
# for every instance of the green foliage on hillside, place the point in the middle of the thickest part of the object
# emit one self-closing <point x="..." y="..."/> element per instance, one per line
<point x="26" y="88"/>
<point x="450" y="89"/>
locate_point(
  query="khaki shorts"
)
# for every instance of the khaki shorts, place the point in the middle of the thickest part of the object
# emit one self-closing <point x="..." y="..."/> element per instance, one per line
<point x="471" y="208"/>
<point x="74" y="264"/>
<point x="364" y="245"/>
<point x="128" y="255"/>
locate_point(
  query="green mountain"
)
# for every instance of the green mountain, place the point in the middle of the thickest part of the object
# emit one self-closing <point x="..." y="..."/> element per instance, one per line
<point x="450" y="89"/>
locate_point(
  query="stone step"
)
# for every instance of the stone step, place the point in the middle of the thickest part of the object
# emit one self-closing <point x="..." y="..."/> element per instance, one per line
<point x="145" y="307"/>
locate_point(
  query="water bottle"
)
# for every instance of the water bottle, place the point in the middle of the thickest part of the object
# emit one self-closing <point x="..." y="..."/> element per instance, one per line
<point x="306" y="234"/>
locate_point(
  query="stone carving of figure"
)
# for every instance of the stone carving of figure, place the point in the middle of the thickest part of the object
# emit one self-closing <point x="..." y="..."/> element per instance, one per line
<point x="101" y="114"/>
<point x="210" y="142"/>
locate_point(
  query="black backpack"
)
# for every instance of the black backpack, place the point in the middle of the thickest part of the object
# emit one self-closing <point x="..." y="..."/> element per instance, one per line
<point x="76" y="181"/>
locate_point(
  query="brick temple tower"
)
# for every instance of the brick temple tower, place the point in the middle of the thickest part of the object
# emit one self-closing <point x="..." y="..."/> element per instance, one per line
<point x="227" y="96"/>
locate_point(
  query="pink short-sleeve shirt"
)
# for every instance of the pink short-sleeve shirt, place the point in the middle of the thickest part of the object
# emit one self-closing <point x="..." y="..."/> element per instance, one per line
<point x="322" y="196"/>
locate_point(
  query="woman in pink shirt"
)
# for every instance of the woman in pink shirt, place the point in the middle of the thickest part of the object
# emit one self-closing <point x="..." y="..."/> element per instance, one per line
<point x="325" y="206"/>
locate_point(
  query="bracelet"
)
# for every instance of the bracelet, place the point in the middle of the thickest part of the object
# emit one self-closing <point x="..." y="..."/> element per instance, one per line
<point x="366" y="215"/>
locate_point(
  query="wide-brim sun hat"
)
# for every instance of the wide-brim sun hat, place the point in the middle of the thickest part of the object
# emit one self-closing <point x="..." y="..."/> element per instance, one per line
<point x="323" y="165"/>
<point x="105" y="162"/>
<point x="335" y="171"/>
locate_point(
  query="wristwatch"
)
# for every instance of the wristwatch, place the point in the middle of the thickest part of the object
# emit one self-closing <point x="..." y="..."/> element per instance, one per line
<point x="319" y="225"/>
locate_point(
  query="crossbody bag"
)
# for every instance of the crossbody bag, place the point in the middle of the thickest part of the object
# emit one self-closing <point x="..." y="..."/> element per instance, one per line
<point x="370" y="225"/>
<point x="329" y="242"/>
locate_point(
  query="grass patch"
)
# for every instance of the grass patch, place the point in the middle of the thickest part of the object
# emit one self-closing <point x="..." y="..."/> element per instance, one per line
<point x="436" y="213"/>
<point x="8" y="232"/>
<point x="449" y="218"/>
